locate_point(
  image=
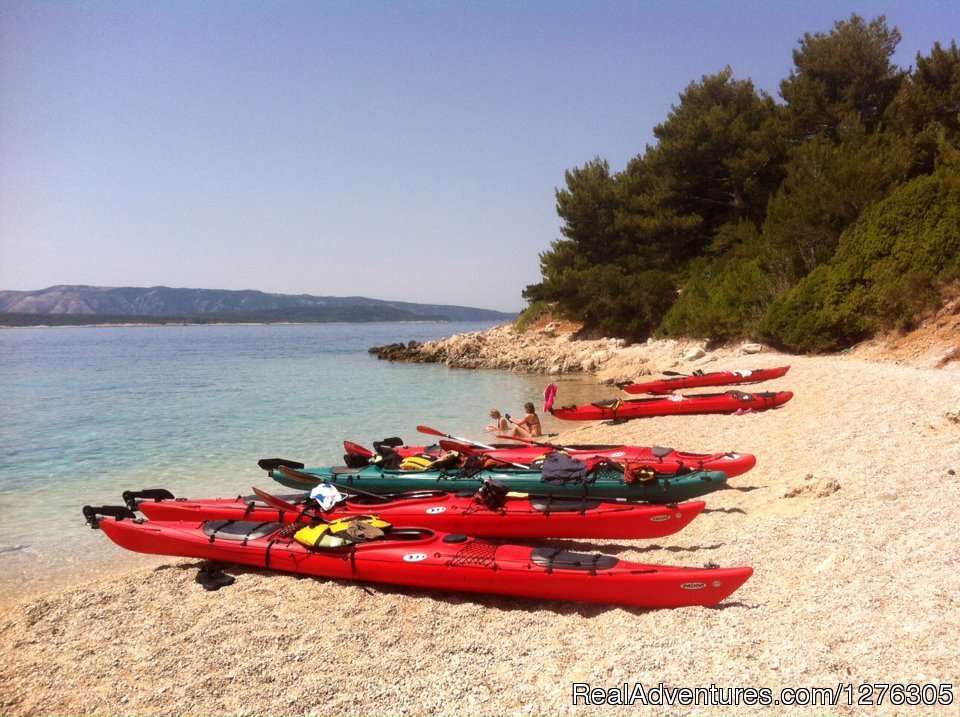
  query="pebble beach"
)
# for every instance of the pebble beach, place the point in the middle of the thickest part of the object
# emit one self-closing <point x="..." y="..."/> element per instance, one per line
<point x="851" y="521"/>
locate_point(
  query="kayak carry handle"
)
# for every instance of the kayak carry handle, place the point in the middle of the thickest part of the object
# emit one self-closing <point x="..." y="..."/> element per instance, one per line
<point x="93" y="514"/>
<point x="133" y="498"/>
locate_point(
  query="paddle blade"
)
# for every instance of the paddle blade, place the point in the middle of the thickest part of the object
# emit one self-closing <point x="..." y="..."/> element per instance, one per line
<point x="431" y="431"/>
<point x="305" y="479"/>
<point x="272" y="464"/>
<point x="457" y="446"/>
<point x="275" y="502"/>
<point x="356" y="449"/>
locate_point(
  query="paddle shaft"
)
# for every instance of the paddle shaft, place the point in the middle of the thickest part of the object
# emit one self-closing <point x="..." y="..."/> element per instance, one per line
<point x="435" y="432"/>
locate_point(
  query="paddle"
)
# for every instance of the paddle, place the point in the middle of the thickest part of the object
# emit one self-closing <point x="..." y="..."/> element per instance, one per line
<point x="580" y="453"/>
<point x="272" y="464"/>
<point x="435" y="432"/>
<point x="308" y="479"/>
<point x="457" y="446"/>
<point x="535" y="443"/>
<point x="356" y="449"/>
<point x="280" y="504"/>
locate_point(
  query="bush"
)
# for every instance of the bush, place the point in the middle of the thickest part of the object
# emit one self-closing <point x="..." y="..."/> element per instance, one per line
<point x="888" y="269"/>
<point x="531" y="314"/>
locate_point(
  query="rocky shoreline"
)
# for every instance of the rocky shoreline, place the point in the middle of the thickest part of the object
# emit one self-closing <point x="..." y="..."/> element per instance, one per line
<point x="556" y="348"/>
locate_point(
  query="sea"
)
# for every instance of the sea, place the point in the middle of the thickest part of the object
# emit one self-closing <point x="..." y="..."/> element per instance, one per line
<point x="88" y="412"/>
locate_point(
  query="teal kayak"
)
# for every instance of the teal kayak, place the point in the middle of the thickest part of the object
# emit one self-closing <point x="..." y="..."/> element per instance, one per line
<point x="608" y="483"/>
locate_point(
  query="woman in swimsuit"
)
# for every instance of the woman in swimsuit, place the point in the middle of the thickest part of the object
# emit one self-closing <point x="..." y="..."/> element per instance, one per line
<point x="529" y="425"/>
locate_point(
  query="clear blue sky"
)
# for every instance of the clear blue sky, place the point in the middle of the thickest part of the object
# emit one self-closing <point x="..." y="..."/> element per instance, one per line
<point x="404" y="150"/>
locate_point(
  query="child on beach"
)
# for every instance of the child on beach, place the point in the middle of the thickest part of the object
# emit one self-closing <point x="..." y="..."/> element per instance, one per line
<point x="526" y="427"/>
<point x="501" y="424"/>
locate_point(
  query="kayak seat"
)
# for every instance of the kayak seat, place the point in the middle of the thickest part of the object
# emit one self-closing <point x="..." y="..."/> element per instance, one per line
<point x="546" y="504"/>
<point x="239" y="529"/>
<point x="551" y="558"/>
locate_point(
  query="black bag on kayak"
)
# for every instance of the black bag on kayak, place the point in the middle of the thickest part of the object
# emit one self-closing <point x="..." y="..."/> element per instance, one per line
<point x="352" y="460"/>
<point x="474" y="464"/>
<point x="388" y="458"/>
<point x="562" y="469"/>
<point x="492" y="494"/>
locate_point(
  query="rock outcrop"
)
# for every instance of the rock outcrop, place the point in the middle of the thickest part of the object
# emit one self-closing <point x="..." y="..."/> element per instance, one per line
<point x="555" y="350"/>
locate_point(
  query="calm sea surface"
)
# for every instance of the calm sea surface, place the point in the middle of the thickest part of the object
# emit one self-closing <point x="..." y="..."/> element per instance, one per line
<point x="90" y="412"/>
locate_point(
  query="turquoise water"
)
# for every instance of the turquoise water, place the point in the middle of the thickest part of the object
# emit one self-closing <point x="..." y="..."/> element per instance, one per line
<point x="90" y="412"/>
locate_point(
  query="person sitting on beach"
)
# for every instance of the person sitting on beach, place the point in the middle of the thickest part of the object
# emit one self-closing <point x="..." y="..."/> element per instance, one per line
<point x="501" y="424"/>
<point x="530" y="423"/>
<point x="526" y="427"/>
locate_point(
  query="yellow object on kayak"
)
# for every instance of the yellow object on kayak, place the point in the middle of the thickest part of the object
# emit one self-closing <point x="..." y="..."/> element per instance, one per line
<point x="415" y="463"/>
<point x="342" y="531"/>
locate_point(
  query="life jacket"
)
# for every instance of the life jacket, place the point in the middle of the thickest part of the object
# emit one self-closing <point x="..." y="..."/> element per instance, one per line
<point x="419" y="462"/>
<point x="637" y="472"/>
<point x="344" y="531"/>
<point x="450" y="459"/>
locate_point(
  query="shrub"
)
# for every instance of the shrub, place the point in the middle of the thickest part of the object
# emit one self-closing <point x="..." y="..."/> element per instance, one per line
<point x="888" y="269"/>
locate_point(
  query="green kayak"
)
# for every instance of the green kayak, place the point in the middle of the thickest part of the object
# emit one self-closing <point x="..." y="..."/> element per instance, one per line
<point x="605" y="484"/>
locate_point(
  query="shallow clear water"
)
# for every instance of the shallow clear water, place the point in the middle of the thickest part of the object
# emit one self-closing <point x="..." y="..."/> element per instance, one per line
<point x="90" y="412"/>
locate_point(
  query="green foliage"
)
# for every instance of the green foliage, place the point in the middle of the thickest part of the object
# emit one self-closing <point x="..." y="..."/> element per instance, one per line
<point x="885" y="273"/>
<point x="724" y="299"/>
<point x="842" y="74"/>
<point x="927" y="108"/>
<point x="749" y="217"/>
<point x="532" y="313"/>
<point x="826" y="187"/>
<point x="719" y="152"/>
<point x="625" y="303"/>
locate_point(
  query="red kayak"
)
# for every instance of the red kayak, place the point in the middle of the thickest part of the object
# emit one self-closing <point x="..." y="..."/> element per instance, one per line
<point x="673" y="405"/>
<point x="665" y="461"/>
<point x="699" y="380"/>
<point x="430" y="560"/>
<point x="528" y="517"/>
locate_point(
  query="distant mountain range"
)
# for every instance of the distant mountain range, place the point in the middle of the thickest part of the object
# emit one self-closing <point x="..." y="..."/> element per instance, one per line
<point x="162" y="304"/>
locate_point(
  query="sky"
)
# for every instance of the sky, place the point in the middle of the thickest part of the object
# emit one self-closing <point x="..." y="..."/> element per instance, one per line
<point x="407" y="150"/>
